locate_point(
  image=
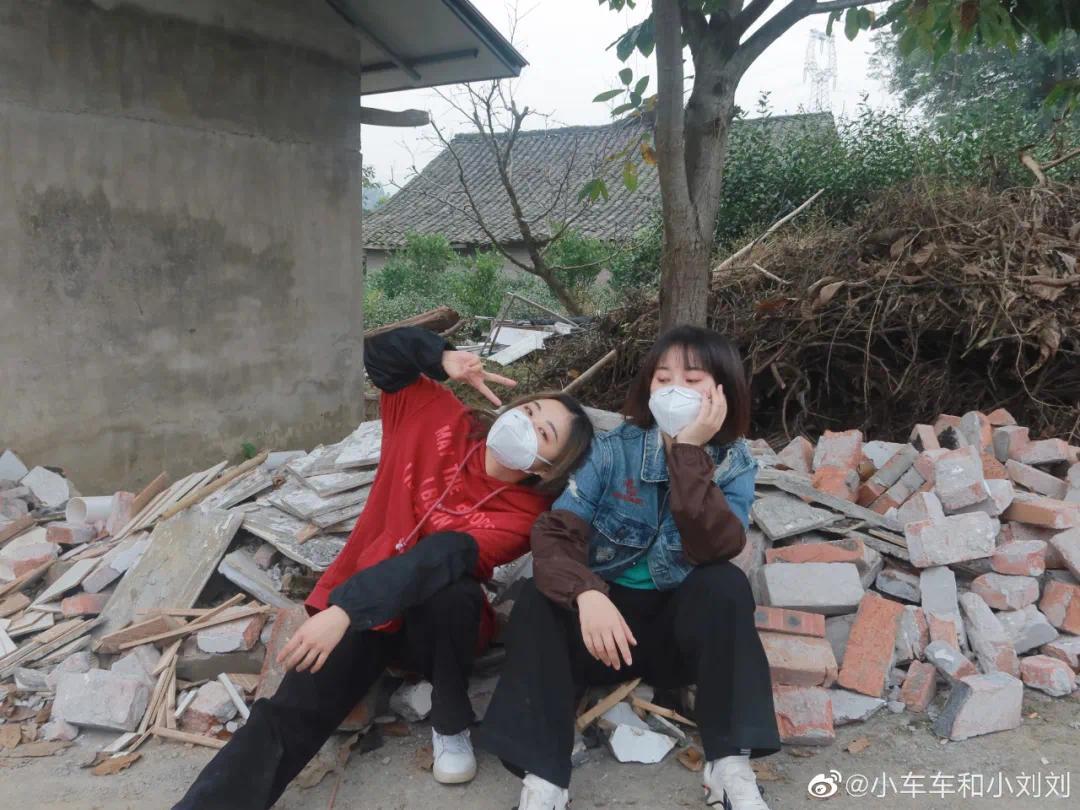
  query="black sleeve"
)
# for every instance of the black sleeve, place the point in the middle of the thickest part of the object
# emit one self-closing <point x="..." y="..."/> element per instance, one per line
<point x="395" y="359"/>
<point x="387" y="589"/>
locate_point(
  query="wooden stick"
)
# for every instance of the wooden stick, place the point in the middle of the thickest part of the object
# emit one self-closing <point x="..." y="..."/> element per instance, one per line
<point x="194" y="627"/>
<point x="185" y="737"/>
<point x="152" y="707"/>
<point x="168" y="657"/>
<point x="148" y="493"/>
<point x="590" y="372"/>
<point x="615" y="697"/>
<point x="170" y="698"/>
<point x="232" y="601"/>
<point x="670" y="714"/>
<point x="15" y="528"/>
<point x="214" y="486"/>
<point x="772" y="228"/>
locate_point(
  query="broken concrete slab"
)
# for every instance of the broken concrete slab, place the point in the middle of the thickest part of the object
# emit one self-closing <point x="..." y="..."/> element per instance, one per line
<point x="58" y="730"/>
<point x="282" y="531"/>
<point x="955" y="539"/>
<point x="139" y="662"/>
<point x="241" y="570"/>
<point x="780" y="516"/>
<point x="622" y="715"/>
<point x="828" y="588"/>
<point x="192" y="664"/>
<point x="981" y="704"/>
<point x="899" y="584"/>
<point x="1028" y="628"/>
<point x="239" y="490"/>
<point x="837" y="632"/>
<point x="412" y="701"/>
<point x="116" y="562"/>
<point x="11" y="467"/>
<point x="101" y="699"/>
<point x="184" y="551"/>
<point x="632" y="744"/>
<point x="234" y="636"/>
<point x="69" y="581"/>
<point x="48" y="487"/>
<point x="851" y="707"/>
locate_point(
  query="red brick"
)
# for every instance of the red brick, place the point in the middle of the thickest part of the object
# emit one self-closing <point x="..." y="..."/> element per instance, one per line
<point x="1000" y="417"/>
<point x="792" y="622"/>
<point x="24" y="559"/>
<point x="992" y="468"/>
<point x="798" y="455"/>
<point x="924" y="437"/>
<point x="1006" y="591"/>
<point x="1012" y="531"/>
<point x="120" y="514"/>
<point x="869" y="492"/>
<point x="958" y="479"/>
<point x="870" y="646"/>
<point x="288" y="621"/>
<point x="84" y="604"/>
<point x="849" y="549"/>
<point x="943" y="629"/>
<point x="1061" y="604"/>
<point x="836" y="481"/>
<point x="1036" y="480"/>
<point x="1064" y="648"/>
<point x="799" y="660"/>
<point x="1025" y="558"/>
<point x="920" y="506"/>
<point x="944" y="421"/>
<point x="919" y="687"/>
<point x="1045" y="512"/>
<point x="803" y="715"/>
<point x="841" y="449"/>
<point x="69" y="534"/>
<point x="1047" y="674"/>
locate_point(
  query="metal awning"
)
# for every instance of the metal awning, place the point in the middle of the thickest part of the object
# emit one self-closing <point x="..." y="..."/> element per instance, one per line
<point x="424" y="43"/>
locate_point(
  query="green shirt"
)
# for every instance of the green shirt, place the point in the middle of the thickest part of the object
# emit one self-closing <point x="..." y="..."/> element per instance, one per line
<point x="637" y="576"/>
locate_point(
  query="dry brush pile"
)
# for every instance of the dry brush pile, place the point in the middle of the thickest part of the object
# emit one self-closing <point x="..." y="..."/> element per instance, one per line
<point x="929" y="303"/>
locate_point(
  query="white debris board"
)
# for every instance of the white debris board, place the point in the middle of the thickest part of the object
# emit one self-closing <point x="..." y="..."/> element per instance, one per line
<point x="281" y="531"/>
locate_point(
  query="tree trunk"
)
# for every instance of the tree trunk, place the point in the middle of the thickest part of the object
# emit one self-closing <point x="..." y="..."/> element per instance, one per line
<point x="544" y="272"/>
<point x="684" y="275"/>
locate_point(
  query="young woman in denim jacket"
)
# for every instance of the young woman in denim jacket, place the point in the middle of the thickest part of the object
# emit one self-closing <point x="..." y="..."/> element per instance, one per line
<point x="632" y="578"/>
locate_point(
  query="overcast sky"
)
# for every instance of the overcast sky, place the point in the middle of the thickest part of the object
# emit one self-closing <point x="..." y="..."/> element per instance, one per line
<point x="565" y="43"/>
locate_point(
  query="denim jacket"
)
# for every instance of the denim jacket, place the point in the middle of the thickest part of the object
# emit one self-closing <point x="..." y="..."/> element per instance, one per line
<point x="622" y="491"/>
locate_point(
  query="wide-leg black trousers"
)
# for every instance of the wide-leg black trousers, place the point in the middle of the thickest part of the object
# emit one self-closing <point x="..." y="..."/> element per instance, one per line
<point x="699" y="633"/>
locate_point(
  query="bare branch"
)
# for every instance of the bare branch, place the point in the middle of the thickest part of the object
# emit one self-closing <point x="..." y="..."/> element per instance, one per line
<point x="748" y="16"/>
<point x="768" y="33"/>
<point x="840" y="5"/>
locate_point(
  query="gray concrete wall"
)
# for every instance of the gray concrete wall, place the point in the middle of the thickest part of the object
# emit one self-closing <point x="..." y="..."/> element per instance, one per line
<point x="180" y="244"/>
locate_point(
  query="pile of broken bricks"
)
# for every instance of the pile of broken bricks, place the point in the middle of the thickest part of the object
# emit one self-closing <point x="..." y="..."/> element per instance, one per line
<point x="938" y="576"/>
<point x="886" y="573"/>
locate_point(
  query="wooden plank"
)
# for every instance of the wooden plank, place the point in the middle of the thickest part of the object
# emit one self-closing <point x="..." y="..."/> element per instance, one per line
<point x="168" y="658"/>
<point x="617" y="696"/>
<point x="15" y="528"/>
<point x="213" y="486"/>
<point x="195" y="627"/>
<point x="660" y="711"/>
<point x="26" y="580"/>
<point x="110" y="643"/>
<point x="13" y="604"/>
<point x="149" y="492"/>
<point x="184" y="552"/>
<point x="185" y="737"/>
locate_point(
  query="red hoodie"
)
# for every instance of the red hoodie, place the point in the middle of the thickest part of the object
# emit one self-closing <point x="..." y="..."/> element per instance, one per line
<point x="425" y="440"/>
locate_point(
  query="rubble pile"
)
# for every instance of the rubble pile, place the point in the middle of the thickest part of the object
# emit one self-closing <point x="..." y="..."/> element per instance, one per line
<point x="939" y="576"/>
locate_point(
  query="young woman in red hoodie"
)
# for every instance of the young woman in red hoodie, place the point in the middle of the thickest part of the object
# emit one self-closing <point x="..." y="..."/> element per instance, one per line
<point x="455" y="496"/>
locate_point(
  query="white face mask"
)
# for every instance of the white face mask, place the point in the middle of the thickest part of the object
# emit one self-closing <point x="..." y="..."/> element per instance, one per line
<point x="674" y="408"/>
<point x="512" y="440"/>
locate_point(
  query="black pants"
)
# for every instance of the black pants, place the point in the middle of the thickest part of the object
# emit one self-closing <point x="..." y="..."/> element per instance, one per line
<point x="437" y="639"/>
<point x="699" y="633"/>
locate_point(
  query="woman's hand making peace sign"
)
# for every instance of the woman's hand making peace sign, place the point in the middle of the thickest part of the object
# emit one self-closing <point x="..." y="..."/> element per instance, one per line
<point x="469" y="368"/>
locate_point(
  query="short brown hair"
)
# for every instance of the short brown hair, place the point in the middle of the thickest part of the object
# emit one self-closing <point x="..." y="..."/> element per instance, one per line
<point x="572" y="455"/>
<point x="705" y="349"/>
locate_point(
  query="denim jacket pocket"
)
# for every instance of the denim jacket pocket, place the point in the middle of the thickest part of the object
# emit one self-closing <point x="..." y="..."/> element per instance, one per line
<point x="623" y="530"/>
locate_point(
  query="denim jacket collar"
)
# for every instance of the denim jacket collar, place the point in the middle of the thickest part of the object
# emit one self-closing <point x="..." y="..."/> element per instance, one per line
<point x="654" y="461"/>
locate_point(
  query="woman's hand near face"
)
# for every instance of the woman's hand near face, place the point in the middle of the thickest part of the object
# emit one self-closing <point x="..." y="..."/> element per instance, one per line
<point x="709" y="420"/>
<point x="469" y="368"/>
<point x="604" y="630"/>
<point x="317" y="637"/>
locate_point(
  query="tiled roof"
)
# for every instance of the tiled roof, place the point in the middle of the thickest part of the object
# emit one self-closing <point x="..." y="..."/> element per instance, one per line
<point x="543" y="161"/>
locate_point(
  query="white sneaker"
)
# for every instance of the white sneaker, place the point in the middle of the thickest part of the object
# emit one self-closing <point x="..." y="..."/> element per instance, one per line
<point x="454" y="759"/>
<point x="540" y="794"/>
<point x="730" y="783"/>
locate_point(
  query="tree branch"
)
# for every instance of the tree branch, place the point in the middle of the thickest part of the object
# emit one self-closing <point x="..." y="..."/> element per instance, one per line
<point x="840" y="5"/>
<point x="768" y="33"/>
<point x="748" y="16"/>
<point x="670" y="122"/>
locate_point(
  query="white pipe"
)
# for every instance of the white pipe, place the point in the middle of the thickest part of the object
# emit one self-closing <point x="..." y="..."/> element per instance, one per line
<point x="81" y="511"/>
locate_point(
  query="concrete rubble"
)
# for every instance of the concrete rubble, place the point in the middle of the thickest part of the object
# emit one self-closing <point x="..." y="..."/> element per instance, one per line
<point x="935" y="576"/>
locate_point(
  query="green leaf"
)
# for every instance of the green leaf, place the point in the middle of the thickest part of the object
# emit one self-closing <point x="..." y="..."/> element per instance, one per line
<point x="622" y="108"/>
<point x="626" y="75"/>
<point x="833" y="17"/>
<point x="626" y="43"/>
<point x="607" y="95"/>
<point x="635" y="100"/>
<point x="630" y="175"/>
<point x="249" y="450"/>
<point x="642" y="83"/>
<point x="851" y="23"/>
<point x="646" y="39"/>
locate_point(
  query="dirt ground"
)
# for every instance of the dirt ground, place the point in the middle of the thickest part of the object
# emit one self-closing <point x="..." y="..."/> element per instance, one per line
<point x="389" y="778"/>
